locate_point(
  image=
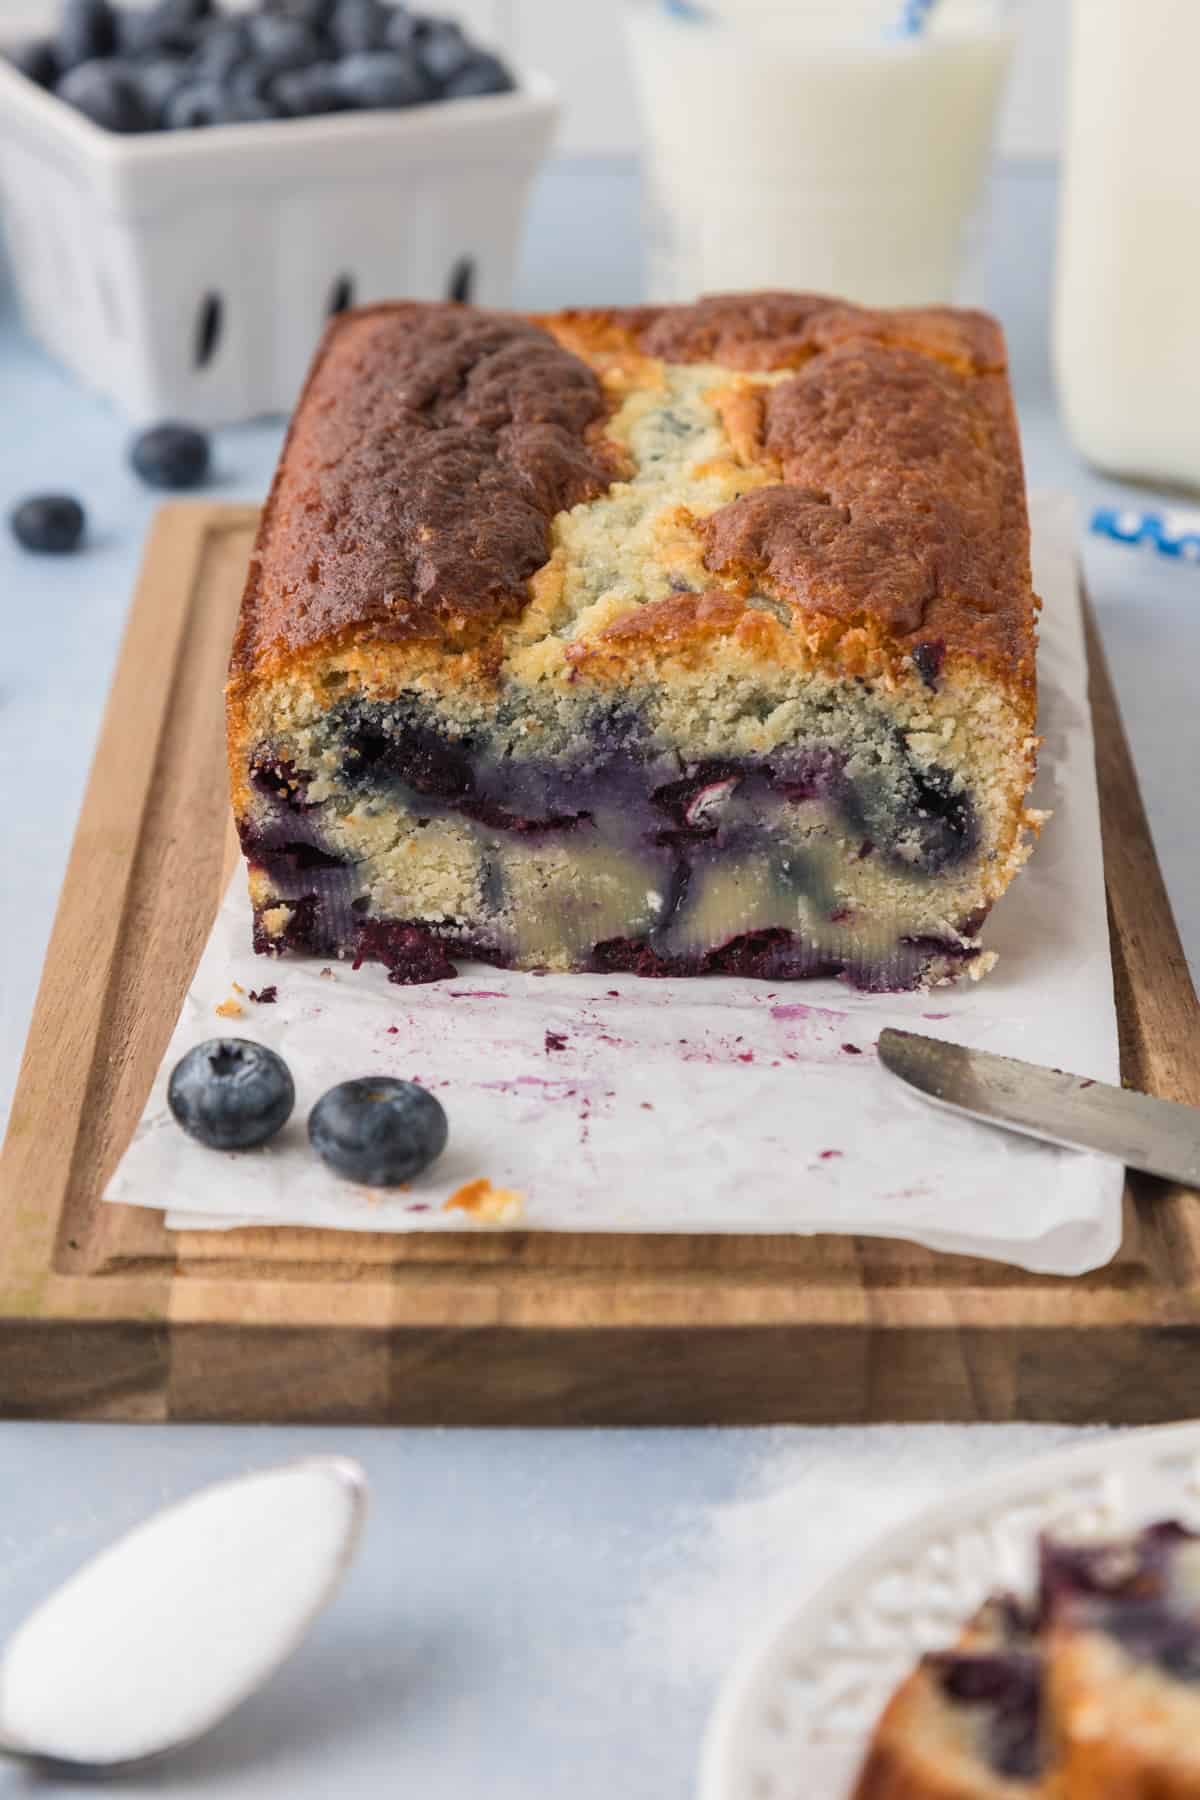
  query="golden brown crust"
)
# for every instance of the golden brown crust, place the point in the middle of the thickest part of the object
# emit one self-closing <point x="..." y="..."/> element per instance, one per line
<point x="431" y="448"/>
<point x="781" y="331"/>
<point x="434" y="444"/>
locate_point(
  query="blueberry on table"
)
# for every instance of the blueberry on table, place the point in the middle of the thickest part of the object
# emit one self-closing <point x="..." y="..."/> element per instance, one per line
<point x="484" y="74"/>
<point x="38" y="61"/>
<point x="231" y="1094"/>
<point x="378" y="1130"/>
<point x="107" y="93"/>
<point x="87" y="30"/>
<point x="48" y="522"/>
<point x="379" y="79"/>
<point x="170" y="455"/>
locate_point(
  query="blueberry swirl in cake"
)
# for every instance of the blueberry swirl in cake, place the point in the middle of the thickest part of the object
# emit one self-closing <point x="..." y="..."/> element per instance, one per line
<point x="676" y="640"/>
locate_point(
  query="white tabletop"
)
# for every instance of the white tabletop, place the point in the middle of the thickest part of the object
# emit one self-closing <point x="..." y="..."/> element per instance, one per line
<point x="534" y="1613"/>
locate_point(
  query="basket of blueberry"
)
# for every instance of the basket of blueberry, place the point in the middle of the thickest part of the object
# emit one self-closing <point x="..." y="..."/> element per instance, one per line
<point x="190" y="194"/>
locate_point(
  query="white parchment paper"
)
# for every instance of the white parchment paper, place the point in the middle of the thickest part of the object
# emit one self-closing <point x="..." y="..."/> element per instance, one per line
<point x="611" y="1103"/>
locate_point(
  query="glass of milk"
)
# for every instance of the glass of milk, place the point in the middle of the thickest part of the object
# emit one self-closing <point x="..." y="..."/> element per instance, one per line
<point x="1127" y="317"/>
<point x="807" y="144"/>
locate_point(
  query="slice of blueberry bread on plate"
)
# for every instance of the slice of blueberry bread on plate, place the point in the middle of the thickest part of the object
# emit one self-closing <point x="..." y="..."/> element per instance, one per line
<point x="1092" y="1694"/>
<point x="1120" y="1625"/>
<point x="680" y="640"/>
<point x="967" y="1723"/>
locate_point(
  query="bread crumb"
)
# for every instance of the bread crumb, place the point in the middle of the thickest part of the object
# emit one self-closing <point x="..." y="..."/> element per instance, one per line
<point x="490" y="1205"/>
<point x="229" y="1009"/>
<point x="237" y="987"/>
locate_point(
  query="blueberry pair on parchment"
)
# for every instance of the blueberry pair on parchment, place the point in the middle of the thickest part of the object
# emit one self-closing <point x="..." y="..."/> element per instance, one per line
<point x="233" y="1094"/>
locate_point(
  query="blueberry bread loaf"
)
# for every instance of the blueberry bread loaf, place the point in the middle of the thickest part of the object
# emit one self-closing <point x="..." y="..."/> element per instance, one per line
<point x="1095" y="1695"/>
<point x="673" y="640"/>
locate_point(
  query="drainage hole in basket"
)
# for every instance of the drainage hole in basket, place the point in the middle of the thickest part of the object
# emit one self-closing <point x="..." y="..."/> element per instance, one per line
<point x="461" y="284"/>
<point x="341" y="295"/>
<point x="208" y="329"/>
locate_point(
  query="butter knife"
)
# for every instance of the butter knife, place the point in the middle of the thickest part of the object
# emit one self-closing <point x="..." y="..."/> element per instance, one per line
<point x="1158" y="1136"/>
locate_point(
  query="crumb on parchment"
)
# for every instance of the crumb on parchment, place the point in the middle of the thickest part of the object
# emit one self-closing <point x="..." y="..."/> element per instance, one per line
<point x="487" y="1204"/>
<point x="231" y="1008"/>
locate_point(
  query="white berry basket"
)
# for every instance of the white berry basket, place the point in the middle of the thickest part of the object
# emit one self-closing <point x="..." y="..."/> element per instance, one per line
<point x="189" y="274"/>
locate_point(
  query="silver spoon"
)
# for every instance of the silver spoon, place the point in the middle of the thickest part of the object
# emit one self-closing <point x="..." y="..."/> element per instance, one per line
<point x="155" y="1640"/>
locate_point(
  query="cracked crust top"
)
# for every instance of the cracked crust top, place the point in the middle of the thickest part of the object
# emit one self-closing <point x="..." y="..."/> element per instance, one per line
<point x="869" y="499"/>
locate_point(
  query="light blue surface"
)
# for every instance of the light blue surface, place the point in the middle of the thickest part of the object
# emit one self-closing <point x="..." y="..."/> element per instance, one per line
<point x="483" y="1645"/>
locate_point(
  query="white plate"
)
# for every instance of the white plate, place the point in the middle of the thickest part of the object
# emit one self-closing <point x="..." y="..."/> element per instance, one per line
<point x="793" y="1720"/>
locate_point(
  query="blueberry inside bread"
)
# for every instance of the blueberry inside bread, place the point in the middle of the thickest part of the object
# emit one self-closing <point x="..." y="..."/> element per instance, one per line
<point x="675" y="640"/>
<point x="1094" y="1694"/>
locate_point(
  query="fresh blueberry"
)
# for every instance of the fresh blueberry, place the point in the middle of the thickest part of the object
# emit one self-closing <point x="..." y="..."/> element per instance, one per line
<point x="303" y="93"/>
<point x="169" y="27"/>
<point x="402" y="30"/>
<point x="171" y="455"/>
<point x="183" y="15"/>
<point x="283" y="44"/>
<point x="197" y="103"/>
<point x="38" y="61"/>
<point x="247" y="109"/>
<point x="378" y="1130"/>
<point x="380" y="79"/>
<point x="51" y="522"/>
<point x="443" y="49"/>
<point x="484" y="74"/>
<point x="248" y="81"/>
<point x="316" y="14"/>
<point x="209" y="102"/>
<point x="357" y="25"/>
<point x="223" y="47"/>
<point x="231" y="1094"/>
<point x="159" y="78"/>
<point x="87" y="30"/>
<point x="107" y="93"/>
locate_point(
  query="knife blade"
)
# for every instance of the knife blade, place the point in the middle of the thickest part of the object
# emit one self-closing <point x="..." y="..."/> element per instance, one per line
<point x="1160" y="1137"/>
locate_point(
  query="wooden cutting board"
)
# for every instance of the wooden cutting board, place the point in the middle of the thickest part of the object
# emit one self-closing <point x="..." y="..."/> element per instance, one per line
<point x="104" y="1314"/>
